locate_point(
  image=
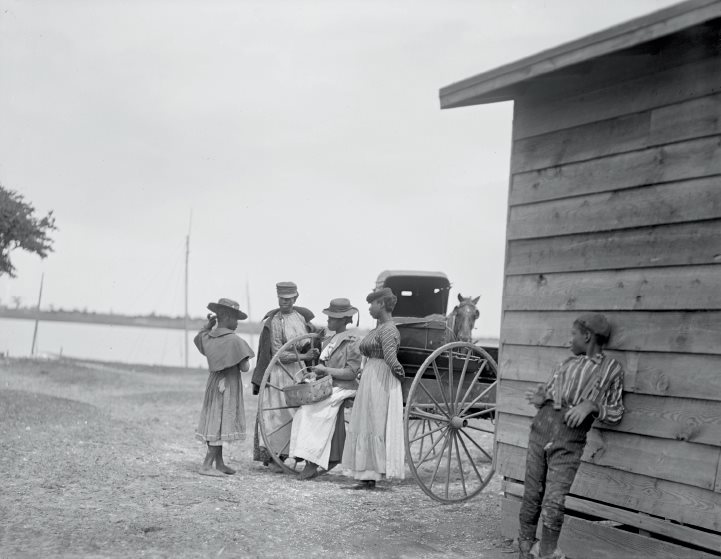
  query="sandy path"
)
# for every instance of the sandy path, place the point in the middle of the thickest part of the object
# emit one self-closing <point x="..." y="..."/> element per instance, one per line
<point x="98" y="460"/>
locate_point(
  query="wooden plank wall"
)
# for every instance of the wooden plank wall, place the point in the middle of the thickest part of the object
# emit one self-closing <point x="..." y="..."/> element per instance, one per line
<point x="615" y="206"/>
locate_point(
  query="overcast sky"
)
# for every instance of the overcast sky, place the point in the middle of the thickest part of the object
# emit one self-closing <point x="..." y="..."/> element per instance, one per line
<point x="304" y="136"/>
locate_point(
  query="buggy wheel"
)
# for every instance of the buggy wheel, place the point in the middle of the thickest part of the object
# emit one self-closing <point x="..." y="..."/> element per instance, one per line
<point x="275" y="417"/>
<point x="449" y="427"/>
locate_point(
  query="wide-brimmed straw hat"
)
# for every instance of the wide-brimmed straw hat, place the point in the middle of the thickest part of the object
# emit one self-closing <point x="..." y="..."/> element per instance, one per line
<point x="224" y="304"/>
<point x="340" y="308"/>
<point x="286" y="289"/>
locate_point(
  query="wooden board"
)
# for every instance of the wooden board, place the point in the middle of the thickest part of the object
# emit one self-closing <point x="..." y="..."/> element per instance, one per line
<point x="666" y="374"/>
<point x="683" y="244"/>
<point x="683" y="503"/>
<point x="663" y="125"/>
<point x="679" y="287"/>
<point x="677" y="419"/>
<point x="641" y="521"/>
<point x="678" y="461"/>
<point x="672" y="331"/>
<point x="534" y="115"/>
<point x="584" y="539"/>
<point x="677" y="202"/>
<point x="673" y="162"/>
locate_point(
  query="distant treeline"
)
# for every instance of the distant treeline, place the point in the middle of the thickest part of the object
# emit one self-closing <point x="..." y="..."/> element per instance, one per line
<point x="145" y="321"/>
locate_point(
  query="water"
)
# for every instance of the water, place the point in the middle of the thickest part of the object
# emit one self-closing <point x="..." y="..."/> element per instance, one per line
<point x="127" y="344"/>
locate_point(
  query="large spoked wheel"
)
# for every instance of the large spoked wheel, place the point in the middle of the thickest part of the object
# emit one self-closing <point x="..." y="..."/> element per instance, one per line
<point x="275" y="417"/>
<point x="449" y="422"/>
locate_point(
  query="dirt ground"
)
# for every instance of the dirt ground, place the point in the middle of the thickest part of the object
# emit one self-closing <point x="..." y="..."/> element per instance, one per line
<point x="99" y="460"/>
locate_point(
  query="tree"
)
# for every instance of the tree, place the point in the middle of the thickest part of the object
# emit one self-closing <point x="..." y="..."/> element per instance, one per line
<point x="21" y="228"/>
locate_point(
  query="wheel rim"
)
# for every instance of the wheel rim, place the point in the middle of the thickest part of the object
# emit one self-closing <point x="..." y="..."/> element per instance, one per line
<point x="271" y="401"/>
<point x="449" y="428"/>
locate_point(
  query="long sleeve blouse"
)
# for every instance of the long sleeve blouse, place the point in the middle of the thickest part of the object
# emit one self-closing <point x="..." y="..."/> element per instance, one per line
<point x="382" y="343"/>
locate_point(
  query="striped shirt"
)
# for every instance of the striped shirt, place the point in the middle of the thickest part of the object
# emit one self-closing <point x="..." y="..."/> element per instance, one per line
<point x="568" y="386"/>
<point x="382" y="343"/>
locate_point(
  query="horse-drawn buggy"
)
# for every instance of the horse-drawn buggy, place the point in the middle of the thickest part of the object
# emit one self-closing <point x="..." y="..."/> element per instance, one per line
<point x="448" y="394"/>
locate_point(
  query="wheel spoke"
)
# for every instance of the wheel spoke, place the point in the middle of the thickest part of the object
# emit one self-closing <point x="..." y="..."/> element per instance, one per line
<point x="427" y="433"/>
<point x="420" y="450"/>
<point x="479" y="447"/>
<point x="420" y="383"/>
<point x="279" y="428"/>
<point x="450" y="382"/>
<point x="463" y="374"/>
<point x="448" y="464"/>
<point x="431" y="449"/>
<point x="287" y="445"/>
<point x="281" y="408"/>
<point x="287" y="372"/>
<point x="460" y="466"/>
<point x="438" y="462"/>
<point x="274" y="386"/>
<point x="440" y="387"/>
<point x="490" y="408"/>
<point x="479" y="429"/>
<point x="470" y="459"/>
<point x="473" y="383"/>
<point x="426" y="415"/>
<point x="481" y="395"/>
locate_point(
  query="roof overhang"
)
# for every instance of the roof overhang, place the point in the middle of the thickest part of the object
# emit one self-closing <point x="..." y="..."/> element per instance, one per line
<point x="502" y="84"/>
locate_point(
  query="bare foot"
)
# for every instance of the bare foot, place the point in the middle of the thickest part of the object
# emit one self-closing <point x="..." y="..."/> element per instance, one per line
<point x="225" y="469"/>
<point x="273" y="467"/>
<point x="208" y="471"/>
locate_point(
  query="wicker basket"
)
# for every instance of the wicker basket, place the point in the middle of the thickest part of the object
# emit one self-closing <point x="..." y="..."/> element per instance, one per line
<point x="308" y="392"/>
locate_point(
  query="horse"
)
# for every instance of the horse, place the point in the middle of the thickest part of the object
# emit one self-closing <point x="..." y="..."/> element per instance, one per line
<point x="462" y="318"/>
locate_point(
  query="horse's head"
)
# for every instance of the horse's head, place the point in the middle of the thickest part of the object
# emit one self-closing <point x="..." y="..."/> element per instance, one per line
<point x="463" y="317"/>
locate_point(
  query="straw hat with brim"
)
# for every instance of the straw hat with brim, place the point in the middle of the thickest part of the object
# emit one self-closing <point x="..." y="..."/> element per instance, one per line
<point x="340" y="308"/>
<point x="227" y="305"/>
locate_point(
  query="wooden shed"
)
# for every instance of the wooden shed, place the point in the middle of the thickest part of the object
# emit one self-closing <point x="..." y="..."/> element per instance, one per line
<point x="615" y="206"/>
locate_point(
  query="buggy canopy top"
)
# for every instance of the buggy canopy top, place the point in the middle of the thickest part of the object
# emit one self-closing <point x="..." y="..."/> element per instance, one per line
<point x="420" y="294"/>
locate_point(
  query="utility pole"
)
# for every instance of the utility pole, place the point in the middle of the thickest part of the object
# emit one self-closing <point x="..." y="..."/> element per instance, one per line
<point x="37" y="315"/>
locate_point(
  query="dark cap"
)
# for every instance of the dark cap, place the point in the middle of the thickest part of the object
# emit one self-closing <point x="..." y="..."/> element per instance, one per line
<point x="224" y="304"/>
<point x="340" y="308"/>
<point x="383" y="292"/>
<point x="286" y="289"/>
<point x="596" y="323"/>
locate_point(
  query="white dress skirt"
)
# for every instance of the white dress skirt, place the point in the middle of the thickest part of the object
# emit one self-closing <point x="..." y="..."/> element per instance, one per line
<point x="313" y="427"/>
<point x="374" y="446"/>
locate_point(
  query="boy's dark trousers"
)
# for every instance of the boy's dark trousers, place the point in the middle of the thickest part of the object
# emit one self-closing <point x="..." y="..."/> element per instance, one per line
<point x="554" y="454"/>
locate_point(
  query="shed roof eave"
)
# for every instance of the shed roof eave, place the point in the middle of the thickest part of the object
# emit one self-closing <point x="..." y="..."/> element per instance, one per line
<point x="485" y="87"/>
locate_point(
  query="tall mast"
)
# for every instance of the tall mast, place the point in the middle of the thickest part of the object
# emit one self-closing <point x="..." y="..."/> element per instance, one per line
<point x="37" y="314"/>
<point x="185" y="316"/>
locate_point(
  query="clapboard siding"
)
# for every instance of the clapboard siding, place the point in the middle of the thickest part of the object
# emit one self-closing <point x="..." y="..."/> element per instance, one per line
<point x="535" y="115"/>
<point x="678" y="202"/>
<point x="679" y="375"/>
<point x="686" y="120"/>
<point x="681" y="244"/>
<point x="641" y="521"/>
<point x="678" y="332"/>
<point x="678" y="419"/>
<point x="675" y="288"/>
<point x="584" y="539"/>
<point x="668" y="499"/>
<point x="671" y="162"/>
<point x="681" y="461"/>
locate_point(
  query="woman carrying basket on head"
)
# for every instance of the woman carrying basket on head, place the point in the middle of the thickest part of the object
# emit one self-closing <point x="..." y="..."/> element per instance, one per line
<point x="374" y="446"/>
<point x="318" y="432"/>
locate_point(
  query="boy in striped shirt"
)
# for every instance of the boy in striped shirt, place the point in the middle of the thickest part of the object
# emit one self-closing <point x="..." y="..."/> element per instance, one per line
<point x="583" y="388"/>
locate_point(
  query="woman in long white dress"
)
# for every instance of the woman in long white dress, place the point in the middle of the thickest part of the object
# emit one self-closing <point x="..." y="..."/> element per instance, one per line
<point x="374" y="445"/>
<point x="318" y="432"/>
